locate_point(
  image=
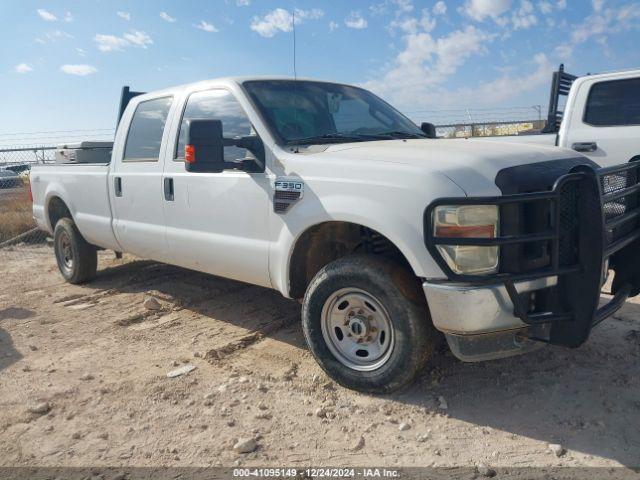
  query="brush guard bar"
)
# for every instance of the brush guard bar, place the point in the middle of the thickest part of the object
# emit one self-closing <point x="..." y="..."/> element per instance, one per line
<point x="593" y="225"/>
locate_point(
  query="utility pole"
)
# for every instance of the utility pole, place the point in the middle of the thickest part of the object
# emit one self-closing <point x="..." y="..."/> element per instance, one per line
<point x="538" y="108"/>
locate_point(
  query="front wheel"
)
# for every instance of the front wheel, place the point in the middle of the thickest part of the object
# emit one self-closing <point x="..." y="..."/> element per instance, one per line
<point x="366" y="323"/>
<point x="77" y="259"/>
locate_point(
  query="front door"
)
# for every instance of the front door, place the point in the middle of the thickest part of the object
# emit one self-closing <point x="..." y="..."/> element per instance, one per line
<point x="218" y="222"/>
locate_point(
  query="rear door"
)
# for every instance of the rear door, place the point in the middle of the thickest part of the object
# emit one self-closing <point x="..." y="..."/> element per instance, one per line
<point x="217" y="222"/>
<point x="605" y="126"/>
<point x="136" y="180"/>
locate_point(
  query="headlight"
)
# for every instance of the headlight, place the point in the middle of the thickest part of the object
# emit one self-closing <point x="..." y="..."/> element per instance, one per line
<point x="467" y="221"/>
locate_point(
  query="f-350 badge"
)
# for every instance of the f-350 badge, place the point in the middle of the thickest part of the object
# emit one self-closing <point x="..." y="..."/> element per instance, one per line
<point x="287" y="192"/>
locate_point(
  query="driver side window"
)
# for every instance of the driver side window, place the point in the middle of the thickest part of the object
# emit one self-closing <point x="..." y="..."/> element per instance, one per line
<point x="221" y="105"/>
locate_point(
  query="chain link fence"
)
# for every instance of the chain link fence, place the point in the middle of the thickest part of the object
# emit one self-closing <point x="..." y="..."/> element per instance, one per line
<point x="17" y="227"/>
<point x="490" y="129"/>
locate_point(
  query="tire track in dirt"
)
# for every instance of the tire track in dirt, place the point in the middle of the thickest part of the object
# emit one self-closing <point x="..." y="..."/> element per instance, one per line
<point x="217" y="354"/>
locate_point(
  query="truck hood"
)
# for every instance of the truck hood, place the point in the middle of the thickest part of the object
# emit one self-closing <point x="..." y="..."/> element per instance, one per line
<point x="471" y="164"/>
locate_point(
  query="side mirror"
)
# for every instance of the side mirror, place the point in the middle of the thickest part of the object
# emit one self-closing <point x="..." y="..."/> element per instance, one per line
<point x="204" y="149"/>
<point x="429" y="129"/>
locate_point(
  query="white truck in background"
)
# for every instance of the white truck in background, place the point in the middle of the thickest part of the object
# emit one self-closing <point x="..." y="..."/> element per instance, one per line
<point x="327" y="194"/>
<point x="600" y="117"/>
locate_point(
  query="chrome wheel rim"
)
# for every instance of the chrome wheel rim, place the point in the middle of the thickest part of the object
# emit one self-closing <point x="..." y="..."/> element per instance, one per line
<point x="64" y="252"/>
<point x="357" y="329"/>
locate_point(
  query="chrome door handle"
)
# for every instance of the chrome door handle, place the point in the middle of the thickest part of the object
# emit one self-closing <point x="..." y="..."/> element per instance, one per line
<point x="585" y="146"/>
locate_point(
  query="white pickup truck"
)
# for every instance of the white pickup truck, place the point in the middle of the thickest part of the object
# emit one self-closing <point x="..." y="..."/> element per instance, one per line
<point x="327" y="194"/>
<point x="600" y="116"/>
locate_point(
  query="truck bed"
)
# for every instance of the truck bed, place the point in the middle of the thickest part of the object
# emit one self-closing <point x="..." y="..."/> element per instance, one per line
<point x="84" y="190"/>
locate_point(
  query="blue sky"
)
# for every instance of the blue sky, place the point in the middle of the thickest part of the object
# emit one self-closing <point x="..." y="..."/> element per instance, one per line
<point x="62" y="63"/>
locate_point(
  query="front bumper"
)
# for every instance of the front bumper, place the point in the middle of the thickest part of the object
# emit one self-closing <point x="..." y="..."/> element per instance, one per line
<point x="478" y="321"/>
<point x="587" y="222"/>
<point x="472" y="310"/>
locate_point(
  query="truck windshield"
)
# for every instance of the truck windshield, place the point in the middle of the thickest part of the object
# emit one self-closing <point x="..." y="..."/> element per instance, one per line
<point x="304" y="112"/>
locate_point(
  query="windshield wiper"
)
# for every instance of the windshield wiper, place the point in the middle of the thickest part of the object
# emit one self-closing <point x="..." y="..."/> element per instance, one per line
<point x="329" y="138"/>
<point x="352" y="137"/>
<point x="400" y="134"/>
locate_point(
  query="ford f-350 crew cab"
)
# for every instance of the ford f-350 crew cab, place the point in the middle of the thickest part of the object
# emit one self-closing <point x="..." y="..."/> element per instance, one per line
<point x="328" y="194"/>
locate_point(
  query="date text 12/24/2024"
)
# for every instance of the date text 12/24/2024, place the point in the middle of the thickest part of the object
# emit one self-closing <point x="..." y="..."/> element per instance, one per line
<point x="316" y="473"/>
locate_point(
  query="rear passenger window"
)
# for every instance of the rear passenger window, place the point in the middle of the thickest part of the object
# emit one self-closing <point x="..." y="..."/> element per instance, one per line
<point x="146" y="129"/>
<point x="220" y="105"/>
<point x="614" y="103"/>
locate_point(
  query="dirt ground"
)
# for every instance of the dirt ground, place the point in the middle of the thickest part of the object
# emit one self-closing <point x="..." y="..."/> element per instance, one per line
<point x="83" y="382"/>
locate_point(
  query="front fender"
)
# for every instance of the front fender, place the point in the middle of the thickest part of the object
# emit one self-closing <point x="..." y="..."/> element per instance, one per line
<point x="393" y="211"/>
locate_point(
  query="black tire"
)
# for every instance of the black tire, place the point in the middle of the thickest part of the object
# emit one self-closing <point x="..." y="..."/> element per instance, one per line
<point x="77" y="259"/>
<point x="399" y="293"/>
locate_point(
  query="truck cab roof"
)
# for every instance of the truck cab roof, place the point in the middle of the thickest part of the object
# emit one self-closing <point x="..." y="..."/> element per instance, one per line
<point x="228" y="82"/>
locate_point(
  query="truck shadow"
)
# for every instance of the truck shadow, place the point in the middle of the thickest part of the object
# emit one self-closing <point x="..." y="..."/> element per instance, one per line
<point x="8" y="354"/>
<point x="215" y="299"/>
<point x="586" y="399"/>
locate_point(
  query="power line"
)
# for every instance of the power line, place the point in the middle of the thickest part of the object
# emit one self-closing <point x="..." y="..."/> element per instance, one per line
<point x="60" y="131"/>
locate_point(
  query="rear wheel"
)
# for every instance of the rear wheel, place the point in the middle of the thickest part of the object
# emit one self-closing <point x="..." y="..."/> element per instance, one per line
<point x="366" y="323"/>
<point x="77" y="260"/>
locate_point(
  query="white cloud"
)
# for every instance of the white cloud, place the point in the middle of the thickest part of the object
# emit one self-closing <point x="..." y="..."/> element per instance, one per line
<point x="281" y="20"/>
<point x="112" y="43"/>
<point x="138" y="38"/>
<point x="81" y="51"/>
<point x="206" y="26"/>
<point x="53" y="36"/>
<point x="440" y="8"/>
<point x="524" y="17"/>
<point x="313" y="14"/>
<point x="273" y="22"/>
<point x="80" y="70"/>
<point x="333" y="25"/>
<point x="355" y="20"/>
<point x="46" y="15"/>
<point x="413" y="94"/>
<point x="386" y="6"/>
<point x="68" y="17"/>
<point x="599" y="26"/>
<point x="403" y="6"/>
<point x="508" y="86"/>
<point x="413" y="24"/>
<point x="545" y="7"/>
<point x="166" y="17"/>
<point x="426" y="63"/>
<point x="243" y="3"/>
<point x="597" y="5"/>
<point x="124" y="15"/>
<point x="480" y="10"/>
<point x="628" y="13"/>
<point x="23" y="68"/>
<point x="378" y="9"/>
<point x="561" y="5"/>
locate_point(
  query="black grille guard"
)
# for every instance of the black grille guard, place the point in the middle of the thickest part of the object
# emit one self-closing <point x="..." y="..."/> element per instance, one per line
<point x="607" y="232"/>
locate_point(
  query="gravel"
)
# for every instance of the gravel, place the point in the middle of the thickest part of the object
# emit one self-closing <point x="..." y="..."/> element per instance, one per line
<point x="40" y="408"/>
<point x="557" y="449"/>
<point x="245" y="445"/>
<point x="181" y="371"/>
<point x="150" y="303"/>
